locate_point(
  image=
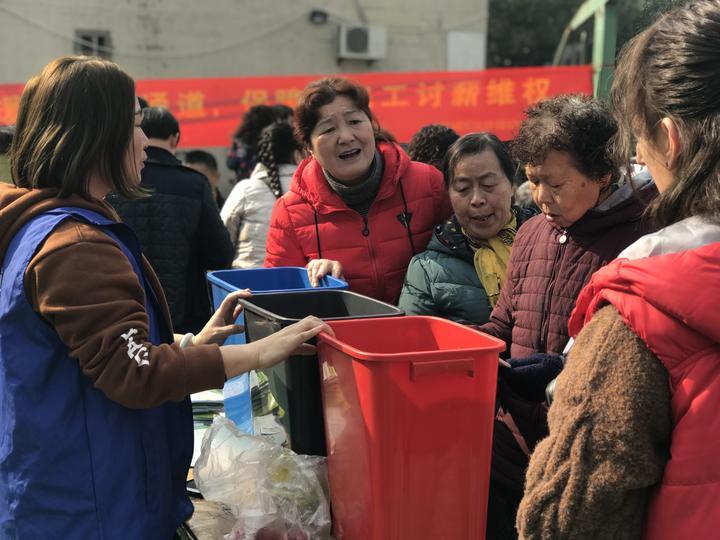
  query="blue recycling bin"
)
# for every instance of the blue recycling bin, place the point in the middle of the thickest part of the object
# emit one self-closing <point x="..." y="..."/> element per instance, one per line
<point x="236" y="392"/>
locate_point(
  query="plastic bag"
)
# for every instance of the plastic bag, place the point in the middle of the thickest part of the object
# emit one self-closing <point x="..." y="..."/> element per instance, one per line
<point x="274" y="493"/>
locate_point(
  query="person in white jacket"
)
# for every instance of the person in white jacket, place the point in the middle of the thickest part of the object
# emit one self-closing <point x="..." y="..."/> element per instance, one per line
<point x="246" y="213"/>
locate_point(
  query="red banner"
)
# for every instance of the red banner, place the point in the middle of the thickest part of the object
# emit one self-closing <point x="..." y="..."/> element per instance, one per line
<point x="209" y="110"/>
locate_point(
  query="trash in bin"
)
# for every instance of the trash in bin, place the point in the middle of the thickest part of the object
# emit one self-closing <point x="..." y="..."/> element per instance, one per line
<point x="295" y="383"/>
<point x="273" y="492"/>
<point x="205" y="407"/>
<point x="409" y="407"/>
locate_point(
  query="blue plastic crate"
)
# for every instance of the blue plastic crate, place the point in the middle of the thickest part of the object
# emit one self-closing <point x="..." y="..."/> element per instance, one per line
<point x="265" y="280"/>
<point x="238" y="401"/>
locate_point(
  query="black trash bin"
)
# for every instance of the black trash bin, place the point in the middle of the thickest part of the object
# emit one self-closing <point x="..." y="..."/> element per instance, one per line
<point x="296" y="382"/>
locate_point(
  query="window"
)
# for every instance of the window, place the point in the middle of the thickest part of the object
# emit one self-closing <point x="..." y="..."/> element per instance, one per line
<point x="93" y="43"/>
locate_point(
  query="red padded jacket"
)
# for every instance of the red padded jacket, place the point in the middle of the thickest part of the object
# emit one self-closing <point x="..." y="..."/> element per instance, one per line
<point x="312" y="222"/>
<point x="670" y="302"/>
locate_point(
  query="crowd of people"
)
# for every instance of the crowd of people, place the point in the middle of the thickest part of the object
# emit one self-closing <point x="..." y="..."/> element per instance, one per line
<point x="602" y="286"/>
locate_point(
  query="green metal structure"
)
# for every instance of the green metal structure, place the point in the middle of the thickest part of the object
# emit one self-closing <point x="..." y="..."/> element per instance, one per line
<point x="604" y="41"/>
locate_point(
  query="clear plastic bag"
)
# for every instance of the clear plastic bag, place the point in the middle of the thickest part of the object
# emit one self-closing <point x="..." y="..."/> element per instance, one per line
<point x="274" y="493"/>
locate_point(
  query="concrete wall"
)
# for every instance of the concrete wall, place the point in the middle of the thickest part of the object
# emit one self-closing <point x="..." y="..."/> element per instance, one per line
<point x="186" y="38"/>
<point x="227" y="38"/>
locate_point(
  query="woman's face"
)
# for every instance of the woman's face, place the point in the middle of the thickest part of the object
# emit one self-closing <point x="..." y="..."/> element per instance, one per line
<point x="136" y="154"/>
<point x="481" y="195"/>
<point x="648" y="154"/>
<point x="343" y="140"/>
<point x="563" y="193"/>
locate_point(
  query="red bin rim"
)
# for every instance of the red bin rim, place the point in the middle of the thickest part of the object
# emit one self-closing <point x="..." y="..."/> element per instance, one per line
<point x="494" y="345"/>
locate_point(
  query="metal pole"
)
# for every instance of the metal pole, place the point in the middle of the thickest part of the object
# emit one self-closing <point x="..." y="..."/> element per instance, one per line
<point x="604" y="41"/>
<point x="604" y="47"/>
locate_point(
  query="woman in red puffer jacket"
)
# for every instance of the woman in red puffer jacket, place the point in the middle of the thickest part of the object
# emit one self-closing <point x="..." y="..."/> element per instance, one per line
<point x="358" y="207"/>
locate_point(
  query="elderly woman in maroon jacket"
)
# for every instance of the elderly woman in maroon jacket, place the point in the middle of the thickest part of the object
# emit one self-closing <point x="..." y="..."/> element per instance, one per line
<point x="588" y="216"/>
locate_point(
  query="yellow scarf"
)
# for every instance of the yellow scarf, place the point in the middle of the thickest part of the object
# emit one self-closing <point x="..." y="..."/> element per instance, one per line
<point x="491" y="259"/>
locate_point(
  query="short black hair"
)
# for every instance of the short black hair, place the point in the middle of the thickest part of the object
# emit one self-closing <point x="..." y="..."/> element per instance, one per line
<point x="159" y="123"/>
<point x="201" y="157"/>
<point x="475" y="143"/>
<point x="143" y="102"/>
<point x="431" y="143"/>
<point x="322" y="92"/>
<point x="254" y="120"/>
<point x="6" y="137"/>
<point x="580" y="125"/>
<point x="282" y="112"/>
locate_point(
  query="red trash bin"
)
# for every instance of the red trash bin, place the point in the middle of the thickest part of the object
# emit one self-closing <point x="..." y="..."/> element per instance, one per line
<point x="409" y="405"/>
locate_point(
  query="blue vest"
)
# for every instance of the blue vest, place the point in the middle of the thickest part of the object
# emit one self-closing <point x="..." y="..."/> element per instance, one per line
<point x="73" y="463"/>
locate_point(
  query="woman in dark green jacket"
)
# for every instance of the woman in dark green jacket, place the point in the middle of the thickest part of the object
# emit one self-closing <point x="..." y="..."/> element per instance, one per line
<point x="460" y="274"/>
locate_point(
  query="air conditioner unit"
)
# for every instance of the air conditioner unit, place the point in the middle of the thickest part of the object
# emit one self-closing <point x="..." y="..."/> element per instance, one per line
<point x="362" y="42"/>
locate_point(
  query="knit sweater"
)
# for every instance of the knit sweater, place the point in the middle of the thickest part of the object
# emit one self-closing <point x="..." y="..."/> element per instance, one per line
<point x="613" y="397"/>
<point x="665" y="287"/>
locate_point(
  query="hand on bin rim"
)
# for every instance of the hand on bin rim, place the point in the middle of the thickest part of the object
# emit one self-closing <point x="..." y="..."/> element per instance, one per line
<point x="319" y="268"/>
<point x="222" y="323"/>
<point x="289" y="341"/>
<point x="273" y="349"/>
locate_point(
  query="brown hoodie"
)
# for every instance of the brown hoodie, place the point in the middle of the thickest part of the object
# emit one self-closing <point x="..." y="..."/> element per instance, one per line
<point x="83" y="285"/>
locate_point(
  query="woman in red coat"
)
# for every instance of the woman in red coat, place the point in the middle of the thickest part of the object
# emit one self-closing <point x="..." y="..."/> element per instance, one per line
<point x="633" y="445"/>
<point x="358" y="207"/>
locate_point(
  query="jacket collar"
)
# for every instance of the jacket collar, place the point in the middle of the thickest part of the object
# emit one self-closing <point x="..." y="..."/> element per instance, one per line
<point x="690" y="233"/>
<point x="310" y="184"/>
<point x="161" y="156"/>
<point x="677" y="279"/>
<point x="626" y="204"/>
<point x="448" y="237"/>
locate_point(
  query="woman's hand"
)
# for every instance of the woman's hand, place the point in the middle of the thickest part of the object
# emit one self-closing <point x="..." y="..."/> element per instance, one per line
<point x="319" y="268"/>
<point x="222" y="324"/>
<point x="290" y="341"/>
<point x="273" y="349"/>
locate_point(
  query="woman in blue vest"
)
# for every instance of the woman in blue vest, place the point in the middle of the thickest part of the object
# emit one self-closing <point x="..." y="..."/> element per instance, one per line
<point x="95" y="424"/>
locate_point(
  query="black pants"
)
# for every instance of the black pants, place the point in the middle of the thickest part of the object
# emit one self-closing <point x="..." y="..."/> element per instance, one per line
<point x="503" y="503"/>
